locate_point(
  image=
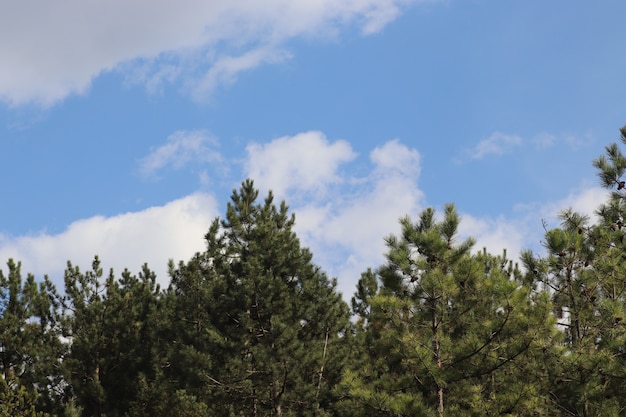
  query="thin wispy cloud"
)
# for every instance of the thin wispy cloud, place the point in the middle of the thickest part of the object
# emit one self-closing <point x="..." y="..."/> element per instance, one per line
<point x="544" y="140"/>
<point x="497" y="143"/>
<point x="203" y="42"/>
<point x="500" y="143"/>
<point x="225" y="70"/>
<point x="181" y="148"/>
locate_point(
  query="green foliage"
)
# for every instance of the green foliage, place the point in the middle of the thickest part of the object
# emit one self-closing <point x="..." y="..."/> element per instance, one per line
<point x="261" y="329"/>
<point x="367" y="287"/>
<point x="612" y="165"/>
<point x="448" y="331"/>
<point x="111" y="324"/>
<point x="583" y="272"/>
<point x="581" y="288"/>
<point x="72" y="410"/>
<point x="30" y="346"/>
<point x="16" y="400"/>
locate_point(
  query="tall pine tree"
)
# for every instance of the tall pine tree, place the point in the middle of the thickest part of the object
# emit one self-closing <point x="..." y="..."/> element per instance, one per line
<point x="584" y="271"/>
<point x="447" y="332"/>
<point x="261" y="329"/>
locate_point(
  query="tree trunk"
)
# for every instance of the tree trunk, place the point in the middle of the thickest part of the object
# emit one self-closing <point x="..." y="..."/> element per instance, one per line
<point x="437" y="356"/>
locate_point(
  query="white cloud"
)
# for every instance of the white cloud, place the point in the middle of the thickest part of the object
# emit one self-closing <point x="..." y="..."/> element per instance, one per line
<point x="394" y="158"/>
<point x="523" y="229"/>
<point x="342" y="218"/>
<point x="57" y="48"/>
<point x="544" y="140"/>
<point x="344" y="224"/>
<point x="585" y="200"/>
<point x="154" y="235"/>
<point x="304" y="162"/>
<point x="224" y="71"/>
<point x="181" y="148"/>
<point x="497" y="144"/>
<point x="358" y="225"/>
<point x="497" y="234"/>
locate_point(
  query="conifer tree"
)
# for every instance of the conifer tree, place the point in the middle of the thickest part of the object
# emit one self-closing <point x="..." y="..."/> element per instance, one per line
<point x="260" y="328"/>
<point x="30" y="345"/>
<point x="110" y="324"/>
<point x="447" y="331"/>
<point x="584" y="272"/>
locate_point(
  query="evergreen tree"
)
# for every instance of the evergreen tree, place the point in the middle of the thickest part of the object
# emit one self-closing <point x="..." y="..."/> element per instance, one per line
<point x="584" y="272"/>
<point x="447" y="332"/>
<point x="30" y="344"/>
<point x="260" y="329"/>
<point x="111" y="326"/>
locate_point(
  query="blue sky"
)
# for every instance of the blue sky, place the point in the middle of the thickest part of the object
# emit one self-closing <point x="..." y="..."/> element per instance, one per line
<point x="124" y="126"/>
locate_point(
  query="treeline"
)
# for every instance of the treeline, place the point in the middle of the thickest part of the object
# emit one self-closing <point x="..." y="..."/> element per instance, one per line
<point x="251" y="327"/>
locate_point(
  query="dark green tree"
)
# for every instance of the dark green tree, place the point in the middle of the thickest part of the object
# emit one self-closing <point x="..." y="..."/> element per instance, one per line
<point x="111" y="325"/>
<point x="261" y="330"/>
<point x="447" y="332"/>
<point x="30" y="338"/>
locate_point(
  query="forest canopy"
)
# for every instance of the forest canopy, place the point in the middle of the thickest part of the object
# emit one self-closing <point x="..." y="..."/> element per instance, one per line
<point x="252" y="326"/>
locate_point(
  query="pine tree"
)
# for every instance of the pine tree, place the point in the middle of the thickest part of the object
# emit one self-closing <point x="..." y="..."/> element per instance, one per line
<point x="567" y="272"/>
<point x="447" y="332"/>
<point x="261" y="329"/>
<point x="30" y="344"/>
<point x="583" y="271"/>
<point x="111" y="326"/>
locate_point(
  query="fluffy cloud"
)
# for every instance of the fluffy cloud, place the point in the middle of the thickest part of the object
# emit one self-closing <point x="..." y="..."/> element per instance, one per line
<point x="499" y="234"/>
<point x="181" y="148"/>
<point x="345" y="229"/>
<point x="351" y="236"/>
<point x="341" y="216"/>
<point x="304" y="162"/>
<point x="55" y="49"/>
<point x="154" y="235"/>
<point x="343" y="219"/>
